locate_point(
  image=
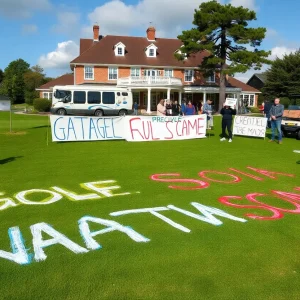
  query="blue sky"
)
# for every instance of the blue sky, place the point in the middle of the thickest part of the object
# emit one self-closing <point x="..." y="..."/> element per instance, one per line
<point x="47" y="32"/>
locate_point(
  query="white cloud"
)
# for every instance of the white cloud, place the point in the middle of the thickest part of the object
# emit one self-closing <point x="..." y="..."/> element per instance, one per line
<point x="68" y="23"/>
<point x="22" y="8"/>
<point x="29" y="29"/>
<point x="166" y="19"/>
<point x="61" y="57"/>
<point x="245" y="3"/>
<point x="280" y="51"/>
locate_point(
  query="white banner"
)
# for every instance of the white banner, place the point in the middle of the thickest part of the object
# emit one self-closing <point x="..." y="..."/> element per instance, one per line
<point x="165" y="128"/>
<point x="250" y="126"/>
<point x="81" y="128"/>
<point x="4" y="105"/>
<point x="130" y="128"/>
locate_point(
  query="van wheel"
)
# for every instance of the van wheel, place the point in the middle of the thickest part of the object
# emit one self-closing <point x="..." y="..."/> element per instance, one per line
<point x="98" y="113"/>
<point x="122" y="112"/>
<point x="61" y="112"/>
<point x="298" y="135"/>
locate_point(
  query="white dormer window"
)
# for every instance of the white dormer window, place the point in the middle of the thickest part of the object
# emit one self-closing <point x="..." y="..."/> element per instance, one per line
<point x="119" y="49"/>
<point x="151" y="51"/>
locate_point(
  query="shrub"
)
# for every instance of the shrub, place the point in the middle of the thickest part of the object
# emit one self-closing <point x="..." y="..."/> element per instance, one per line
<point x="254" y="110"/>
<point x="42" y="105"/>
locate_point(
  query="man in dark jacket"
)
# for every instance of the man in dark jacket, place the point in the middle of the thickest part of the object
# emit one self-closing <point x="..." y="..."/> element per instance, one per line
<point x="227" y="112"/>
<point x="267" y="109"/>
<point x="276" y="113"/>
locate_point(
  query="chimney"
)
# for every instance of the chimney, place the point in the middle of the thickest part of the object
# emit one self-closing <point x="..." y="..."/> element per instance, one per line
<point x="96" y="33"/>
<point x="151" y="33"/>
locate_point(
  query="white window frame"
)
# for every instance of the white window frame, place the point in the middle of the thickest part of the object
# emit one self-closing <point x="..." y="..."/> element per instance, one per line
<point x="249" y="97"/>
<point x="151" y="47"/>
<point x="111" y="73"/>
<point x="85" y="73"/>
<point x="208" y="79"/>
<point x="192" y="75"/>
<point x="135" y="72"/>
<point x="45" y="95"/>
<point x="117" y="47"/>
<point x="168" y="72"/>
<point x="120" y="51"/>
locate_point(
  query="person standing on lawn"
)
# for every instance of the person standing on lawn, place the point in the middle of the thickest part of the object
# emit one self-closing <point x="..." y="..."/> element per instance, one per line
<point x="161" y="109"/>
<point x="190" y="109"/>
<point x="207" y="109"/>
<point x="276" y="113"/>
<point x="227" y="112"/>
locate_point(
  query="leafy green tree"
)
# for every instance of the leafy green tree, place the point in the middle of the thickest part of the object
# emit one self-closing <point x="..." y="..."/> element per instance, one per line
<point x="13" y="83"/>
<point x="282" y="79"/>
<point x="1" y="76"/>
<point x="223" y="31"/>
<point x="33" y="78"/>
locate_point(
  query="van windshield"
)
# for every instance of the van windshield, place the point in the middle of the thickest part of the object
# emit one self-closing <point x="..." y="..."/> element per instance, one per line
<point x="63" y="95"/>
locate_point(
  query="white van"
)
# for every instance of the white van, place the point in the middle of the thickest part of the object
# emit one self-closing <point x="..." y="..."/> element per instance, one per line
<point x="91" y="100"/>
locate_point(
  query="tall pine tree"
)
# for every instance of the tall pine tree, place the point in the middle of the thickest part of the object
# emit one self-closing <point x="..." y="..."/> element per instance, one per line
<point x="223" y="31"/>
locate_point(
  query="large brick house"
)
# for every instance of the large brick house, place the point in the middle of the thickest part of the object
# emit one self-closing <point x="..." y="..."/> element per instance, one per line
<point x="148" y="66"/>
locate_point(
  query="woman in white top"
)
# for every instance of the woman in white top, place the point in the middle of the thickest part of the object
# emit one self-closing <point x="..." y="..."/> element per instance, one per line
<point x="161" y="110"/>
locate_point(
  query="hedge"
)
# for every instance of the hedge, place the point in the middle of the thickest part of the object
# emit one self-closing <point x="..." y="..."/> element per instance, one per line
<point x="42" y="105"/>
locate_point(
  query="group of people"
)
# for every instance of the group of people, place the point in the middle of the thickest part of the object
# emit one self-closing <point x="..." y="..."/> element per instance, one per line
<point x="272" y="111"/>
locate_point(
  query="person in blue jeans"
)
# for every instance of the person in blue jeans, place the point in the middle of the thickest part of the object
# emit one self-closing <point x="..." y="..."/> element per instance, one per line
<point x="276" y="113"/>
<point x="135" y="108"/>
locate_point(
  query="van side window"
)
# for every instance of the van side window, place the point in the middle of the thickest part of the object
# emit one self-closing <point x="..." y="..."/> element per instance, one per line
<point x="118" y="94"/>
<point x="108" y="97"/>
<point x="124" y="94"/>
<point x="94" y="97"/>
<point x="79" y="97"/>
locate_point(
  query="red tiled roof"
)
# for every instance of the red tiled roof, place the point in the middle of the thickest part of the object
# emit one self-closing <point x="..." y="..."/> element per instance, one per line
<point x="102" y="52"/>
<point x="85" y="44"/>
<point x="67" y="79"/>
<point x="239" y="84"/>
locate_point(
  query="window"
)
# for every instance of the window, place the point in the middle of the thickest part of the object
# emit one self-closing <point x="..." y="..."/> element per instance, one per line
<point x="151" y="52"/>
<point x="168" y="73"/>
<point x="50" y="95"/>
<point x="88" y="73"/>
<point x="108" y="98"/>
<point x="211" y="78"/>
<point x="136" y="97"/>
<point x="120" y="51"/>
<point x="248" y="99"/>
<point x="112" y="73"/>
<point x="94" y="97"/>
<point x="79" y="97"/>
<point x="135" y="72"/>
<point x="188" y="75"/>
<point x="125" y="94"/>
<point x="45" y="95"/>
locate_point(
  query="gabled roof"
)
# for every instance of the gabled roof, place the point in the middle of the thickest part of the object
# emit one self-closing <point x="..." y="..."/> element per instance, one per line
<point x="261" y="76"/>
<point x="239" y="84"/>
<point x="67" y="79"/>
<point x="120" y="44"/>
<point x="101" y="53"/>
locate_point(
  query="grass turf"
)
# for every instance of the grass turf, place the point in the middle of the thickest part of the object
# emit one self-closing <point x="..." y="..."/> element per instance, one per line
<point x="252" y="260"/>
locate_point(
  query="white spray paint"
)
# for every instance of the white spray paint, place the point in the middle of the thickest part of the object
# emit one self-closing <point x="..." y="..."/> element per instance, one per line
<point x="53" y="198"/>
<point x="208" y="213"/>
<point x="74" y="196"/>
<point x="105" y="191"/>
<point x="58" y="238"/>
<point x="19" y="254"/>
<point x="111" y="226"/>
<point x="8" y="202"/>
<point x="153" y="211"/>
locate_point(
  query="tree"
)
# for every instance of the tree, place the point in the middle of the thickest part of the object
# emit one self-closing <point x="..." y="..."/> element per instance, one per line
<point x="282" y="79"/>
<point x="33" y="78"/>
<point x="223" y="31"/>
<point x="13" y="83"/>
<point x="1" y="76"/>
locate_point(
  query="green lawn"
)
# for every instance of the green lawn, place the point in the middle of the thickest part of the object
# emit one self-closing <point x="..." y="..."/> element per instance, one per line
<point x="257" y="259"/>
